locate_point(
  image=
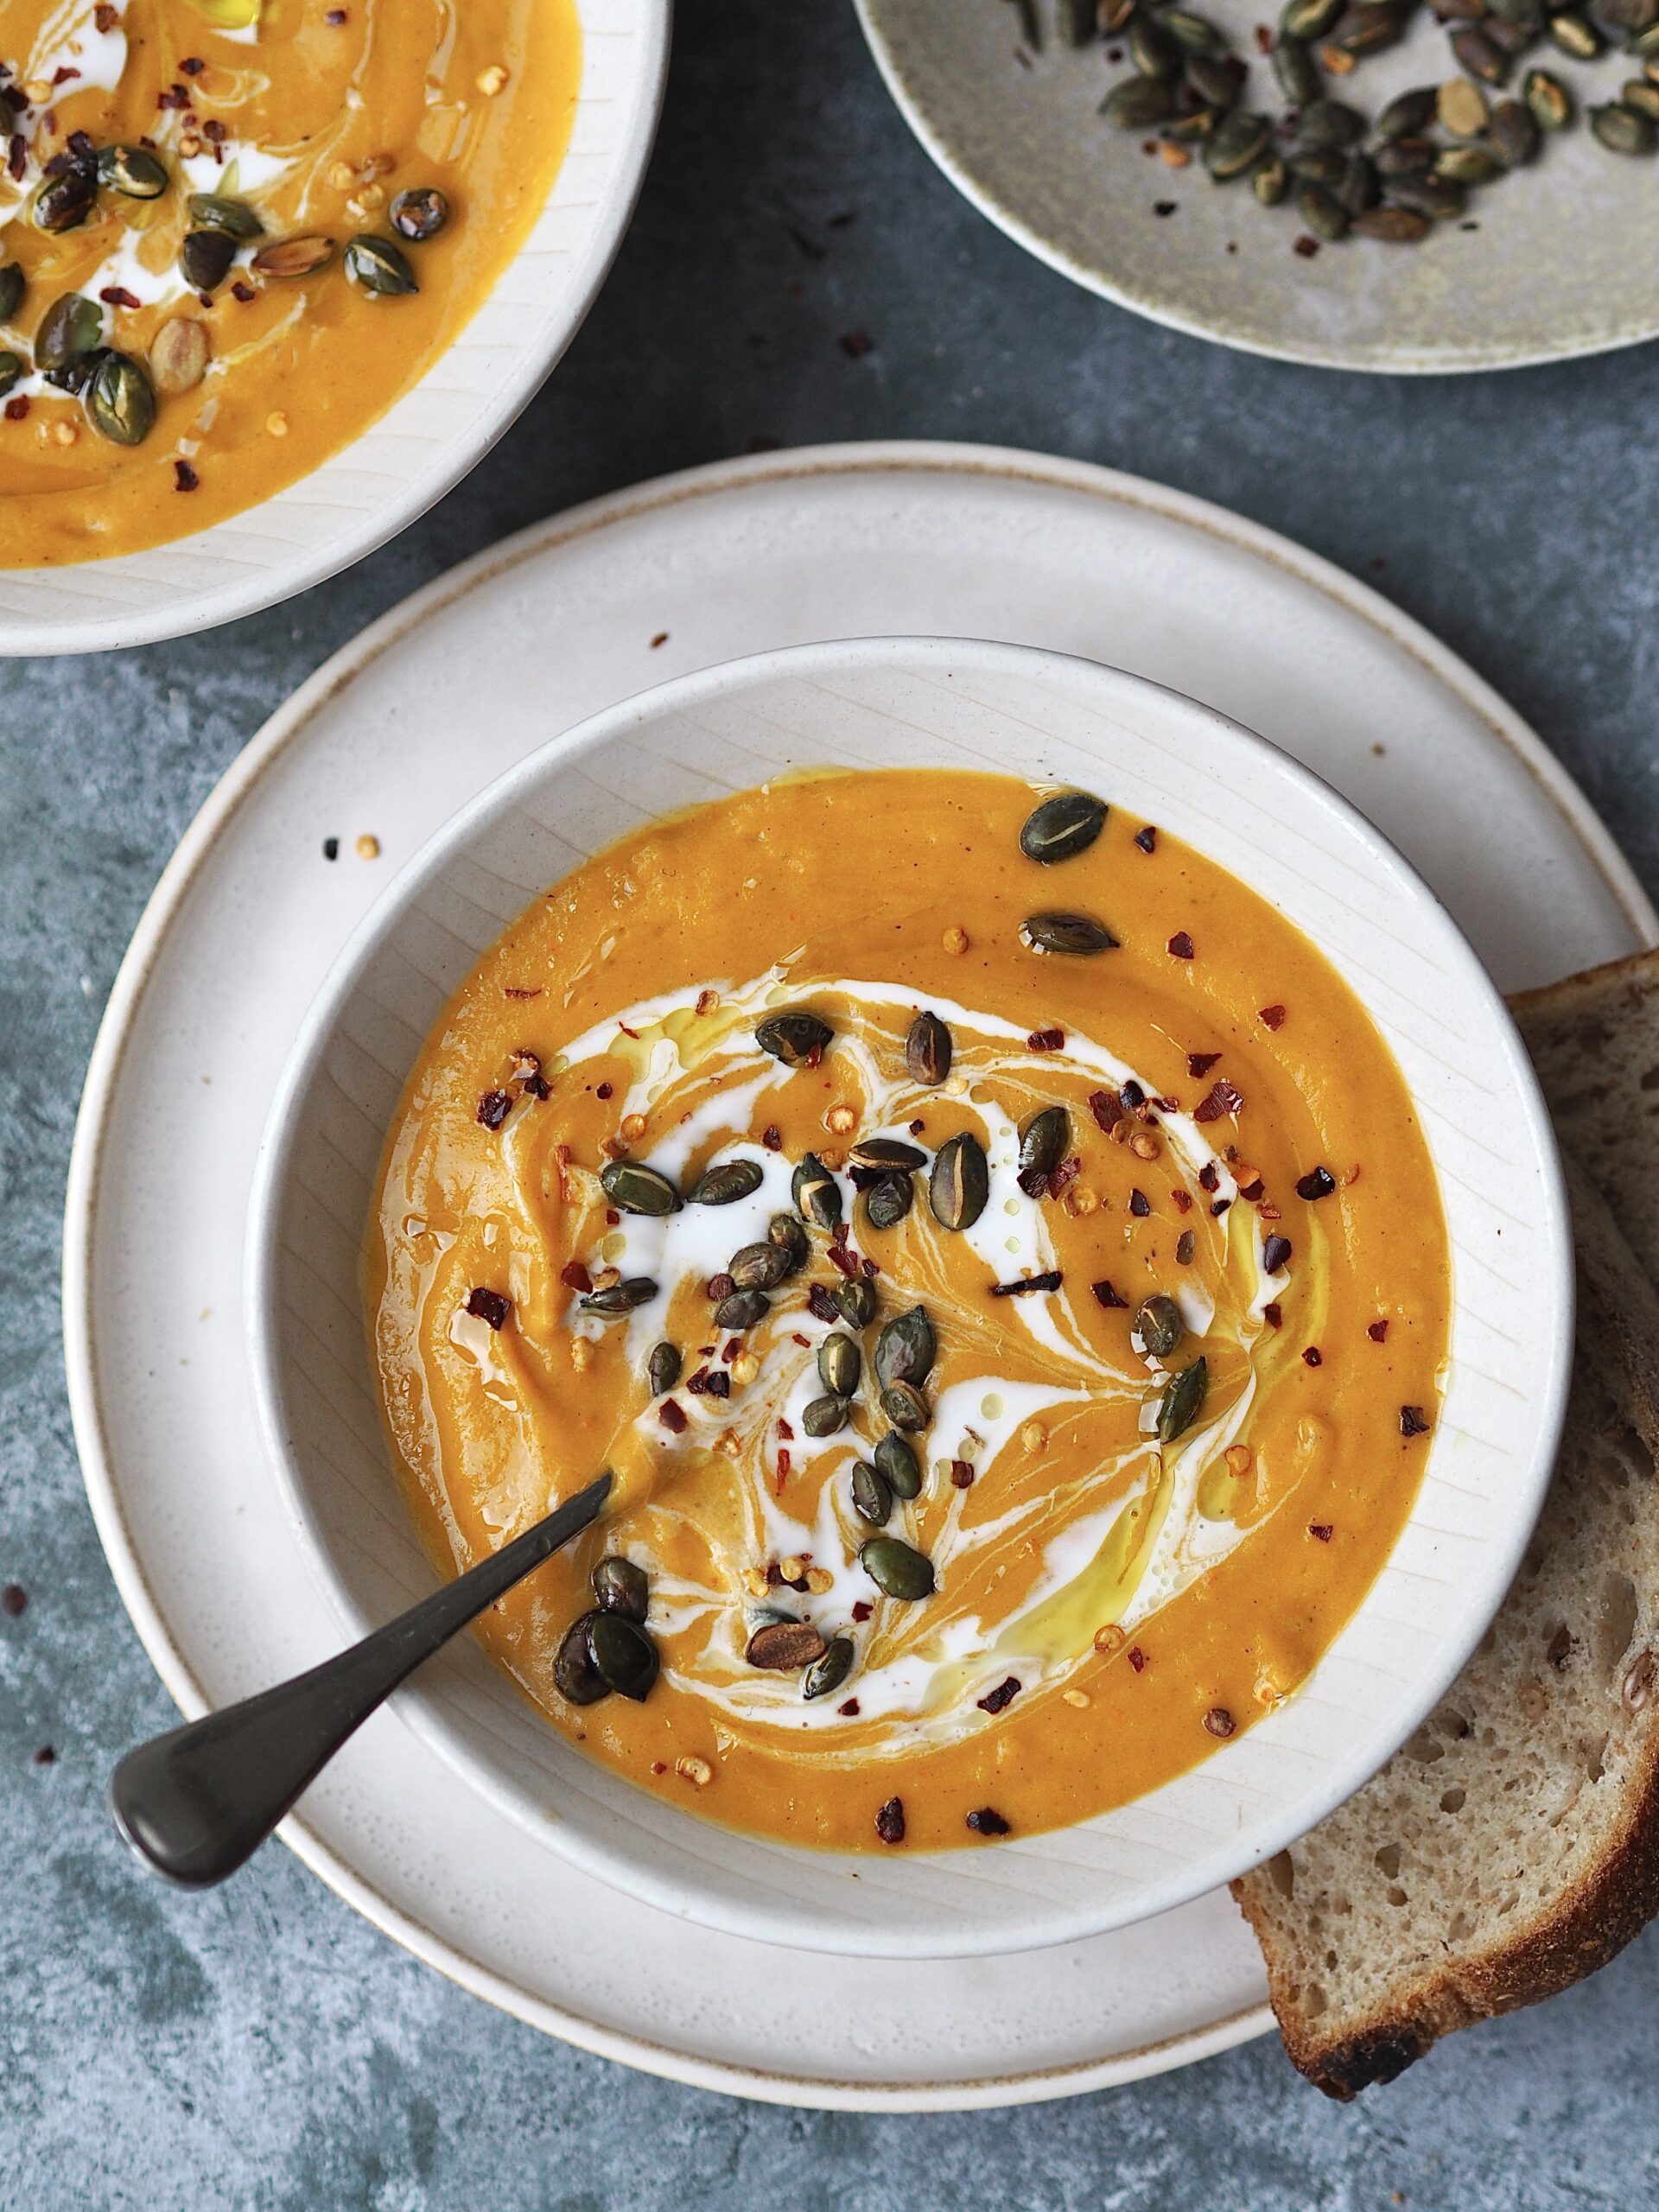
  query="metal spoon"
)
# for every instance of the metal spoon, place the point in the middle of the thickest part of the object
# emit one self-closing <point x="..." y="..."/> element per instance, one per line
<point x="196" y="1802"/>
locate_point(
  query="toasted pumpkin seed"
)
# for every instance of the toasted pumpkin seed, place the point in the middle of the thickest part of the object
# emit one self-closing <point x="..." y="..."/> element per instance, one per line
<point x="907" y="1348"/>
<point x="179" y="355"/>
<point x="786" y="1232"/>
<point x="887" y="1202"/>
<point x="855" y="1302"/>
<point x="1622" y="131"/>
<point x="1367" y="28"/>
<point x="72" y="325"/>
<point x="831" y="1671"/>
<point x="1239" y="141"/>
<point x="663" y="1368"/>
<point x="795" y="1036"/>
<point x="759" y="1266"/>
<point x="575" y="1674"/>
<point x="784" y="1647"/>
<point x="1407" y="113"/>
<point x="1043" y="1139"/>
<point x="726" y="1182"/>
<point x="133" y="171"/>
<point x="620" y="1587"/>
<point x="1330" y="123"/>
<point x="898" y="1466"/>
<point x="1394" y="226"/>
<point x="1194" y="130"/>
<point x="872" y="1495"/>
<point x="1467" y="165"/>
<point x="1515" y="132"/>
<point x="1575" y="34"/>
<point x="1217" y="78"/>
<point x="1357" y="189"/>
<point x="632" y="1187"/>
<point x="1308" y="19"/>
<point x="1321" y="165"/>
<point x="1550" y="101"/>
<point x="897" y="1569"/>
<point x="1324" y="214"/>
<point x="1182" y="1400"/>
<point x="1435" y="196"/>
<point x="840" y="1363"/>
<point x="419" y="214"/>
<point x="620" y="1298"/>
<point x="1644" y="97"/>
<point x="1462" y="108"/>
<point x="743" y="1310"/>
<point x="11" y="368"/>
<point x="1296" y="70"/>
<point x="1075" y="935"/>
<point x="1158" y="1325"/>
<point x="816" y="1193"/>
<point x="624" y="1656"/>
<point x="206" y="258"/>
<point x="213" y="210"/>
<point x="928" y="1050"/>
<point x="119" y="402"/>
<point x="63" y="203"/>
<point x="905" y="1407"/>
<point x="1269" y="179"/>
<point x="824" y="1415"/>
<point x="378" y="266"/>
<point x="960" y="1182"/>
<point x="300" y="256"/>
<point x="887" y="1155"/>
<point x="1196" y="33"/>
<point x="1152" y="51"/>
<point x="11" y="289"/>
<point x="1137" y="102"/>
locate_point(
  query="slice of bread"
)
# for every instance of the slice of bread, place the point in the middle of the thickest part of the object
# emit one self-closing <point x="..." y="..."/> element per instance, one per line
<point x="1512" y="1846"/>
<point x="1594" y="1040"/>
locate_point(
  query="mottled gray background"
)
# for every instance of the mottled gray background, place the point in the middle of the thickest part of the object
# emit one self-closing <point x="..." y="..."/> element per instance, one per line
<point x="262" y="2047"/>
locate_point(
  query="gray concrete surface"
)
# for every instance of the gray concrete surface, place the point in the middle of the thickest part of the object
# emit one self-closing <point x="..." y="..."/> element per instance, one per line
<point x="263" y="2048"/>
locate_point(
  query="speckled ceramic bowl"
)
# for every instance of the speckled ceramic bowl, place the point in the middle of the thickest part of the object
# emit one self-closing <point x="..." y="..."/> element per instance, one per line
<point x="908" y="702"/>
<point x="1549" y="263"/>
<point x="428" y="440"/>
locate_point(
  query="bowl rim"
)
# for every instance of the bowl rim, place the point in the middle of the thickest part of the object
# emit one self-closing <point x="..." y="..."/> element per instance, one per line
<point x="187" y="611"/>
<point x="425" y="1710"/>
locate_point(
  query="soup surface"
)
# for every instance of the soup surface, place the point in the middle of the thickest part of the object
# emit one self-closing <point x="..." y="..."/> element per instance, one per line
<point x="1016" y="1362"/>
<point x="233" y="231"/>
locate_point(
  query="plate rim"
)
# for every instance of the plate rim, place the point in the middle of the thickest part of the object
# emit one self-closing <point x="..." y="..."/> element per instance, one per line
<point x="980" y="197"/>
<point x="124" y="1006"/>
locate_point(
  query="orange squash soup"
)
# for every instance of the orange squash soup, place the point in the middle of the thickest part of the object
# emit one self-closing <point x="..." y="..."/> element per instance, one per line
<point x="233" y="231"/>
<point x="998" y="1258"/>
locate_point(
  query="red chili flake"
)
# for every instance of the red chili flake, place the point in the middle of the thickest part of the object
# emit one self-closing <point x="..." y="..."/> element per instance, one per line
<point x="493" y="1108"/>
<point x="703" y="1384"/>
<point x="1219" y="1721"/>
<point x="1199" y="1063"/>
<point x="730" y="1349"/>
<point x="1268" y="1211"/>
<point x="185" y="477"/>
<point x="45" y="1756"/>
<point x="1187" y="1245"/>
<point x="13" y="1600"/>
<point x="1272" y="1314"/>
<point x="1180" y="946"/>
<point x="1107" y="1107"/>
<point x="784" y="1463"/>
<point x="1252" y="1190"/>
<point x="785" y="1431"/>
<point x="16" y="155"/>
<point x="1223" y="1099"/>
<point x="575" y="1277"/>
<point x="522" y="991"/>
<point x="612" y="1217"/>
<point x="987" y="1821"/>
<point x="1064" y="1175"/>
<point x="174" y="96"/>
<point x="626" y="1032"/>
<point x="1313" y="1356"/>
<point x="962" y="1474"/>
<point x="855" y="344"/>
<point x="1321" y="1531"/>
<point x="890" y="1820"/>
<point x="820" y="1304"/>
<point x="1317" y="1183"/>
<point x="604" y="1090"/>
<point x="1274" y="1253"/>
<point x="489" y="1306"/>
<point x="806" y="1343"/>
<point x="246" y="293"/>
<point x="1001" y="1697"/>
<point x="1050" y="1281"/>
<point x="1376" y="1330"/>
<point x="535" y="1086"/>
<point x="1183" y="1200"/>
<point x="1107" y="1296"/>
<point x="62" y="75"/>
<point x="1046" y="1040"/>
<point x="214" y="133"/>
<point x="1137" y="1658"/>
<point x="1270" y="1017"/>
<point x="1263" y="39"/>
<point x="1209" y="1176"/>
<point x="847" y="1262"/>
<point x="1307" y="247"/>
<point x="16" y="409"/>
<point x="917" y="1125"/>
<point x="1414" y="1421"/>
<point x="772" y="1137"/>
<point x="862" y="1609"/>
<point x="118" y="295"/>
<point x="849" y="1710"/>
<point x="1139" y="1204"/>
<point x="719" y="1287"/>
<point x="869" y="1269"/>
<point x="1146" y="839"/>
<point x="105" y="17"/>
<point x="671" y="1414"/>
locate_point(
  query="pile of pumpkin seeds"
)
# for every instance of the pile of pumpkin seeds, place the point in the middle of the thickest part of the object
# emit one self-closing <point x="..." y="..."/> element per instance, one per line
<point x="1392" y="177"/>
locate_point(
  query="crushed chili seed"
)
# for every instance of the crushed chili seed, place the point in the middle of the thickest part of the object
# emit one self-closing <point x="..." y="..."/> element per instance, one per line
<point x="1107" y="1107"/>
<point x="987" y="1821"/>
<point x="489" y="1306"/>
<point x="1414" y="1421"/>
<point x="185" y="477"/>
<point x="1376" y="1330"/>
<point x="1107" y="1296"/>
<point x="1276" y="1251"/>
<point x="890" y="1820"/>
<point x="671" y="1414"/>
<point x="1000" y="1698"/>
<point x="493" y="1108"/>
<point x="1317" y="1183"/>
<point x="1139" y="1204"/>
<point x="604" y="1090"/>
<point x="1270" y="1017"/>
<point x="1199" y="1063"/>
<point x="1046" y="1040"/>
<point x="1137" y="1658"/>
<point x="1146" y="839"/>
<point x="1187" y="1245"/>
<point x="1051" y="1280"/>
<point x="13" y="1600"/>
<point x="1321" y="1530"/>
<point x="575" y="1276"/>
<point x="1219" y="1721"/>
<point x="772" y="1137"/>
<point x="1273" y="1315"/>
<point x="1313" y="1356"/>
<point x="1180" y="946"/>
<point x="962" y="1474"/>
<point x="719" y="1287"/>
<point x="849" y="1710"/>
<point x="862" y="1609"/>
<point x="1183" y="1200"/>
<point x="1224" y="1099"/>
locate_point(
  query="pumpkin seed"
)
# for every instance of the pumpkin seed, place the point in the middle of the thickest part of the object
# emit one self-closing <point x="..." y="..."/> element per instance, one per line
<point x="759" y="1266"/>
<point x="1323" y="215"/>
<point x="1367" y="28"/>
<point x="63" y="203"/>
<point x="1462" y="108"/>
<point x="1194" y="130"/>
<point x="1330" y="123"/>
<point x="1645" y="45"/>
<point x="1137" y="102"/>
<point x="179" y="355"/>
<point x="1467" y="165"/>
<point x="300" y="256"/>
<point x="1357" y="189"/>
<point x="1152" y="51"/>
<point x="1575" y="34"/>
<point x="419" y="214"/>
<point x="1217" y="78"/>
<point x="1043" y="1139"/>
<point x="624" y="1656"/>
<point x="574" y="1674"/>
<point x="897" y="1569"/>
<point x="1519" y="15"/>
<point x="1296" y="70"/>
<point x="1435" y="196"/>
<point x="1409" y="113"/>
<point x="907" y="1348"/>
<point x="11" y="289"/>
<point x="1412" y="156"/>
<point x="212" y="211"/>
<point x="1622" y="131"/>
<point x="1182" y="1400"/>
<point x="621" y="1587"/>
<point x="1394" y="226"/>
<point x="928" y="1050"/>
<point x="816" y="1193"/>
<point x="379" y="267"/>
<point x="1515" y="132"/>
<point x="1480" y="55"/>
<point x="1642" y="96"/>
<point x="11" y="368"/>
<point x="823" y="1416"/>
<point x="887" y="1202"/>
<point x="632" y="1187"/>
<point x="1078" y="934"/>
<point x="831" y="1671"/>
<point x="1549" y="99"/>
<point x="1321" y="165"/>
<point x="797" y="1037"/>
<point x="785" y="1231"/>
<point x="905" y="1407"/>
<point x="743" y="1310"/>
<point x="1158" y="1325"/>
<point x="1308" y="19"/>
<point x="131" y="170"/>
<point x="898" y="1464"/>
<point x="855" y="1302"/>
<point x="886" y="1156"/>
<point x="206" y="258"/>
<point x="723" y="1184"/>
<point x="784" y="1647"/>
<point x="663" y="1368"/>
<point x="872" y="1495"/>
<point x="1269" y="179"/>
<point x="72" y="324"/>
<point x="840" y="1363"/>
<point x="1196" y="33"/>
<point x="620" y="1298"/>
<point x="960" y="1182"/>
<point x="119" y="402"/>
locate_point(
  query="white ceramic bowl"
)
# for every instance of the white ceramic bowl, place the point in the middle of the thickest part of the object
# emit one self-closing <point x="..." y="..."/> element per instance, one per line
<point x="909" y="702"/>
<point x="426" y="443"/>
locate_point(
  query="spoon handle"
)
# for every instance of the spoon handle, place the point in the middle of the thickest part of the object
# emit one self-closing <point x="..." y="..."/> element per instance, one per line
<point x="196" y="1802"/>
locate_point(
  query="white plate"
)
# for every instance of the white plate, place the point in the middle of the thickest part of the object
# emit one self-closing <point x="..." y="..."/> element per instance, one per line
<point x="428" y="440"/>
<point x="391" y="738"/>
<point x="1557" y="266"/>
